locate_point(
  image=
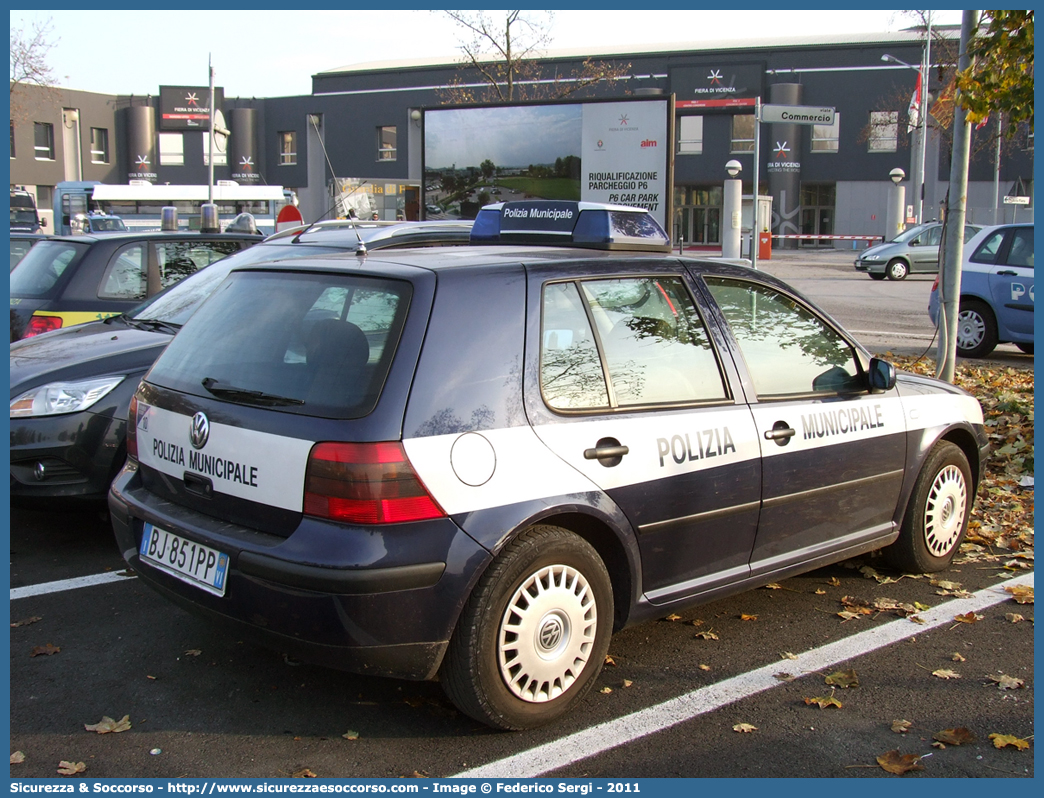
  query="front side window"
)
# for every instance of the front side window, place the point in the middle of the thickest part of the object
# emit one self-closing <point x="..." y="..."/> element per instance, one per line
<point x="825" y="138"/>
<point x="788" y="349"/>
<point x="1021" y="253"/>
<point x="743" y="133"/>
<point x="99" y="145"/>
<point x="690" y="135"/>
<point x="178" y="259"/>
<point x="988" y="249"/>
<point x="625" y="342"/>
<point x="171" y="149"/>
<point x="884" y="131"/>
<point x="386" y="136"/>
<point x="43" y="137"/>
<point x="312" y="344"/>
<point x="288" y="148"/>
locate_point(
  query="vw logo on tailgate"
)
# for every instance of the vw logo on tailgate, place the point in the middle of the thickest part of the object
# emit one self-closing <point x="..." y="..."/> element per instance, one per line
<point x="200" y="431"/>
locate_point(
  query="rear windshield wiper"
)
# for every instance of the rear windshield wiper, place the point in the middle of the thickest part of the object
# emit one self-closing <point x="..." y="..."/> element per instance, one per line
<point x="245" y="395"/>
<point x="153" y="324"/>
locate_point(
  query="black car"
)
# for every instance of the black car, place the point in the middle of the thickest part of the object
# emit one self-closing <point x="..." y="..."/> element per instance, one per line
<point x="21" y="243"/>
<point x="67" y="280"/>
<point x="70" y="389"/>
<point x="475" y="464"/>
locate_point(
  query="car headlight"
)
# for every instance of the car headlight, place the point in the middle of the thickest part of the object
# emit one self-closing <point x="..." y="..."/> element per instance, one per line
<point x="62" y="397"/>
<point x="870" y="257"/>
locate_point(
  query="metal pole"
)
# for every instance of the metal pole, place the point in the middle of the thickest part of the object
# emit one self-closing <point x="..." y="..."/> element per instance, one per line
<point x="996" y="175"/>
<point x="755" y="238"/>
<point x="925" y="79"/>
<point x="210" y="178"/>
<point x="950" y="273"/>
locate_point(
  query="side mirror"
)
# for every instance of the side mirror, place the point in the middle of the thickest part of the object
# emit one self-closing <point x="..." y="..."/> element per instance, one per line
<point x="882" y="375"/>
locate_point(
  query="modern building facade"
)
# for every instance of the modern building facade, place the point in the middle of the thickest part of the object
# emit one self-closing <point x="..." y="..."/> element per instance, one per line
<point x="361" y="128"/>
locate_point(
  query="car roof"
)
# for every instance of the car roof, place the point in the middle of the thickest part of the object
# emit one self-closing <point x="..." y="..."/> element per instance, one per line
<point x="348" y="233"/>
<point x="157" y="235"/>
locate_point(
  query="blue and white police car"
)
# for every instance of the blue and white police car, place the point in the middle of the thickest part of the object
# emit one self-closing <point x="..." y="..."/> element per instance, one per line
<point x="475" y="463"/>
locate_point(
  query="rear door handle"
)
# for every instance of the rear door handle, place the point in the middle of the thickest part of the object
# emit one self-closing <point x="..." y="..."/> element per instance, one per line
<point x="1008" y="273"/>
<point x="608" y="451"/>
<point x="781" y="433"/>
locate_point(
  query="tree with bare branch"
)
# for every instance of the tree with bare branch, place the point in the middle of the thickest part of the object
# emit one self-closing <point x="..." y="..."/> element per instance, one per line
<point x="502" y="56"/>
<point x="30" y="47"/>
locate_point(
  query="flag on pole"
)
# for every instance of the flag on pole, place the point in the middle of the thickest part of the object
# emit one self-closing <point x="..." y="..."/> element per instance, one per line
<point x="914" y="111"/>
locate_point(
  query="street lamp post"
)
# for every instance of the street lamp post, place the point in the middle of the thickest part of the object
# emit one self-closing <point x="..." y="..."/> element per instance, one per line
<point x="732" y="201"/>
<point x="922" y="114"/>
<point x="895" y="215"/>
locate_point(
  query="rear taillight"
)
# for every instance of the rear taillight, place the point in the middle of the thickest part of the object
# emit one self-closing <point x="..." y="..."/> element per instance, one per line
<point x="935" y="283"/>
<point x="132" y="428"/>
<point x="365" y="483"/>
<point x="42" y="324"/>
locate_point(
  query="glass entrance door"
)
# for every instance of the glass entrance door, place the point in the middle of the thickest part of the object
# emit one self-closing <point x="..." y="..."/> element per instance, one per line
<point x="817" y="214"/>
<point x="698" y="215"/>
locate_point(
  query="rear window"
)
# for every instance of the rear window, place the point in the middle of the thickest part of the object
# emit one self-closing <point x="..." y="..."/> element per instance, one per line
<point x="312" y="344"/>
<point x="39" y="271"/>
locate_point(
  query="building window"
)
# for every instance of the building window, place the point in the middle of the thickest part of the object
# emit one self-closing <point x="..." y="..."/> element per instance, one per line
<point x="884" y="131"/>
<point x="690" y="135"/>
<point x="44" y="197"/>
<point x="825" y="138"/>
<point x="171" y="149"/>
<point x="43" y="133"/>
<point x="288" y="148"/>
<point x="99" y="145"/>
<point x="386" y="143"/>
<point x="743" y="133"/>
<point x="12" y="140"/>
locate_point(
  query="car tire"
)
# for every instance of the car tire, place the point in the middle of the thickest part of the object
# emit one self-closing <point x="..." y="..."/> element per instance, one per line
<point x="897" y="269"/>
<point x="1027" y="348"/>
<point x="976" y="329"/>
<point x="534" y="633"/>
<point x="936" y="518"/>
<point x="875" y="275"/>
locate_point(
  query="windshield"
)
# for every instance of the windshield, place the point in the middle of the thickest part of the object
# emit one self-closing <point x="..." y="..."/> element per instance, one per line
<point x="41" y="269"/>
<point x="107" y="225"/>
<point x="179" y="302"/>
<point x="23" y="216"/>
<point x="909" y="234"/>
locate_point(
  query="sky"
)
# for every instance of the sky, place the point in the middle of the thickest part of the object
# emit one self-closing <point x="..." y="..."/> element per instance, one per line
<point x="263" y="53"/>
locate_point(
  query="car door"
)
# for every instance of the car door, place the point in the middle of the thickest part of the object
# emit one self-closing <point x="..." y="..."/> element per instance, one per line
<point x="832" y="453"/>
<point x="1011" y="283"/>
<point x="631" y="390"/>
<point x="924" y="250"/>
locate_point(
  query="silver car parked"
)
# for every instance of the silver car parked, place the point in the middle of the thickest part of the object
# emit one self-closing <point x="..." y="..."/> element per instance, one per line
<point x="913" y="251"/>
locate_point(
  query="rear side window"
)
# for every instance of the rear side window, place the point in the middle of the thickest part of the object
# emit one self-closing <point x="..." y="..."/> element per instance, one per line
<point x="987" y="251"/>
<point x="313" y="344"/>
<point x="39" y="271"/>
<point x="126" y="275"/>
<point x="176" y="260"/>
<point x="642" y="333"/>
<point x="1021" y="253"/>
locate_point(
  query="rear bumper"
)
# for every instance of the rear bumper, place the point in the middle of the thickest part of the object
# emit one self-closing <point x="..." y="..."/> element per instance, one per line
<point x="373" y="600"/>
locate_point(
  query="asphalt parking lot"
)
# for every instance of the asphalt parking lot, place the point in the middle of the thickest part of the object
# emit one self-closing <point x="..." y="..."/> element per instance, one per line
<point x="674" y="702"/>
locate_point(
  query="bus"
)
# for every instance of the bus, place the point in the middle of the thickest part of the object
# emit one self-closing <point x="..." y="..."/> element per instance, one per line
<point x="140" y="205"/>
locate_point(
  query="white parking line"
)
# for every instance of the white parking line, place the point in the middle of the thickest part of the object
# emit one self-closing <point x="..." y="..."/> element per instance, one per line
<point x="605" y="736"/>
<point x="67" y="584"/>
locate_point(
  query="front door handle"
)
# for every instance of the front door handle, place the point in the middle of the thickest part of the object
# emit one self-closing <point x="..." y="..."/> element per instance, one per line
<point x="781" y="433"/>
<point x="1008" y="273"/>
<point x="608" y="451"/>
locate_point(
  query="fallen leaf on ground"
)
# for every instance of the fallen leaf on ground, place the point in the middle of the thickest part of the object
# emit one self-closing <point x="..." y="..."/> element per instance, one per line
<point x="958" y="736"/>
<point x="606" y="690"/>
<point x="1014" y="617"/>
<point x="17" y="758"/>
<point x="956" y="657"/>
<point x="820" y="591"/>
<point x="848" y="615"/>
<point x="707" y="636"/>
<point x="788" y="655"/>
<point x="917" y="619"/>
<point x="71" y="768"/>
<point x="901" y="726"/>
<point x="968" y="617"/>
<point x="748" y="617"/>
<point x="824" y="701"/>
<point x="351" y="735"/>
<point x="627" y="683"/>
<point x="744" y="728"/>
<point x="696" y="622"/>
<point x="107" y="725"/>
<point x="193" y="652"/>
<point x="834" y="582"/>
<point x="26" y="621"/>
<point x="897" y="763"/>
<point x="46" y="650"/>
<point x="1023" y="594"/>
<point x="946" y="673"/>
<point x="773" y="586"/>
<point x="843" y="678"/>
<point x="704" y="667"/>
<point x="610" y="661"/>
<point x="782" y="676"/>
<point x="303" y="773"/>
<point x="1007" y="682"/>
<point x="673" y="617"/>
<point x="1001" y="740"/>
